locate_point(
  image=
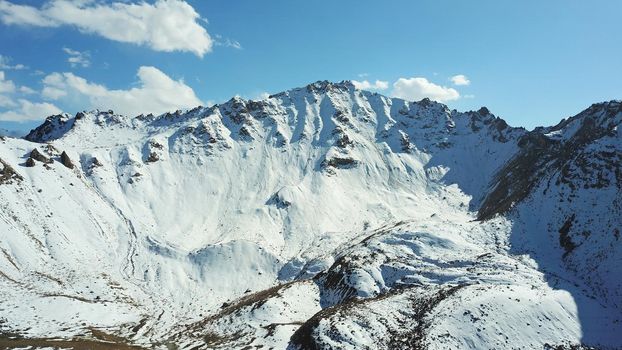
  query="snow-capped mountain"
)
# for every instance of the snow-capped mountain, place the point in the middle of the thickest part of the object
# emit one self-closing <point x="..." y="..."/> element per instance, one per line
<point x="324" y="217"/>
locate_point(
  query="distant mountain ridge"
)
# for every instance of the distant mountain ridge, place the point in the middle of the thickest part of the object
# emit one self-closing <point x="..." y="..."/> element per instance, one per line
<point x="5" y="132"/>
<point x="322" y="217"/>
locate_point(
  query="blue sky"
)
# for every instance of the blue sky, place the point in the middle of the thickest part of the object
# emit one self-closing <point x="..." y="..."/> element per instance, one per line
<point x="530" y="62"/>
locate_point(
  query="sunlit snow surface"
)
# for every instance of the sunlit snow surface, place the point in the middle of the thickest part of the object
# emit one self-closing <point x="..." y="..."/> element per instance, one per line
<point x="323" y="216"/>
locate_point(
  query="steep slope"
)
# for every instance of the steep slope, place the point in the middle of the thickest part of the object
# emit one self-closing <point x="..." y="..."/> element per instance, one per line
<point x="567" y="208"/>
<point x="289" y="222"/>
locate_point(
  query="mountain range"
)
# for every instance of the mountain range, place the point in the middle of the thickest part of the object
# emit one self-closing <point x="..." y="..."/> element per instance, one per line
<point x="323" y="217"/>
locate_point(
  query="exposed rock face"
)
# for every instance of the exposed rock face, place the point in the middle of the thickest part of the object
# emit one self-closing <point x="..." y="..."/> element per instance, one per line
<point x="53" y="127"/>
<point x="36" y="155"/>
<point x="50" y="150"/>
<point x="66" y="161"/>
<point x="30" y="162"/>
<point x="564" y="240"/>
<point x="7" y="174"/>
<point x="95" y="162"/>
<point x="154" y="151"/>
<point x="153" y="157"/>
<point x="518" y="177"/>
<point x="544" y="152"/>
<point x="341" y="162"/>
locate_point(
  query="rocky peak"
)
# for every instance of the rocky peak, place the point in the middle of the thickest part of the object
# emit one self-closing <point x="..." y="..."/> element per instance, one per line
<point x="52" y="128"/>
<point x="605" y="110"/>
<point x="600" y="118"/>
<point x="321" y="87"/>
<point x="562" y="147"/>
<point x="352" y="109"/>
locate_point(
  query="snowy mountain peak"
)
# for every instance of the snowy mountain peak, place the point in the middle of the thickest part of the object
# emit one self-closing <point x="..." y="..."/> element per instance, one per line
<point x="547" y="150"/>
<point x="52" y="128"/>
<point x="607" y="109"/>
<point x="324" y="86"/>
<point x="602" y="116"/>
<point x="342" y="106"/>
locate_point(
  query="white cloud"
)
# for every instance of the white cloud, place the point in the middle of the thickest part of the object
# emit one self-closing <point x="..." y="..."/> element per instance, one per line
<point x="166" y="25"/>
<point x="156" y="93"/>
<point x="23" y="15"/>
<point x="28" y="111"/>
<point x="261" y="96"/>
<point x="5" y="63"/>
<point x="6" y="86"/>
<point x="415" y="89"/>
<point x="460" y="80"/>
<point x="6" y="102"/>
<point x="77" y="58"/>
<point x="54" y="86"/>
<point x="26" y="90"/>
<point x="22" y="110"/>
<point x="366" y="85"/>
<point x="226" y="42"/>
<point x="233" y="43"/>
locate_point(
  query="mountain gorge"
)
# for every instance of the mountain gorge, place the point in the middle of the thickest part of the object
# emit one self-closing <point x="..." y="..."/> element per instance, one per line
<point x="323" y="217"/>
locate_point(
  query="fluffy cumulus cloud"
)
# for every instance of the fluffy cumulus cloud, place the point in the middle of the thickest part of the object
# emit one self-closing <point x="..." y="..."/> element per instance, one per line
<point x="415" y="89"/>
<point x="460" y="80"/>
<point x="155" y="93"/>
<point x="26" y="90"/>
<point x="166" y="25"/>
<point x="27" y="111"/>
<point x="77" y="58"/>
<point x="20" y="109"/>
<point x="7" y="87"/>
<point x="367" y="85"/>
<point x="6" y="102"/>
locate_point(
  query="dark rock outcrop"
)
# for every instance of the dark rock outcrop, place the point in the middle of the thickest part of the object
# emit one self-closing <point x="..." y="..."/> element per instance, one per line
<point x="53" y="128"/>
<point x="519" y="176"/>
<point x="565" y="241"/>
<point x="36" y="155"/>
<point x="66" y="161"/>
<point x="340" y="162"/>
<point x="8" y="174"/>
<point x="153" y="157"/>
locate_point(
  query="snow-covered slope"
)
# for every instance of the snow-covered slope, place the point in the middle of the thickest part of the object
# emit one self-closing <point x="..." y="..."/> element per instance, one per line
<point x="321" y="217"/>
